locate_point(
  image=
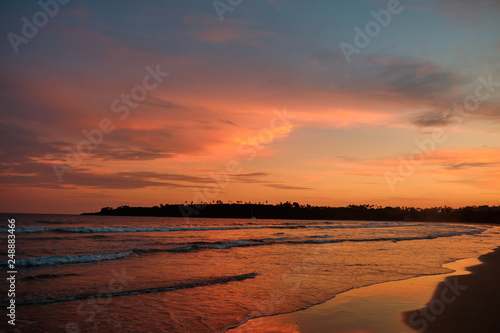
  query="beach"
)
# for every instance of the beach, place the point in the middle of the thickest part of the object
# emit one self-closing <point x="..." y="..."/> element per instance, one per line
<point x="154" y="274"/>
<point x="466" y="300"/>
<point x="465" y="303"/>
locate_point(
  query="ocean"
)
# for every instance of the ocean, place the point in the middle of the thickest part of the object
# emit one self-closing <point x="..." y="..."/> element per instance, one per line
<point x="158" y="274"/>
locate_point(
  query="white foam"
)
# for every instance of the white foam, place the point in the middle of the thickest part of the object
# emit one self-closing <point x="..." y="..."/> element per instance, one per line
<point x="58" y="260"/>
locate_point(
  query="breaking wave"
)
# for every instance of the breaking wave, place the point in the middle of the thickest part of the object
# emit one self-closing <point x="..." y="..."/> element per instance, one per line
<point x="75" y="259"/>
<point x="222" y="245"/>
<point x="184" y="285"/>
<point x="166" y="229"/>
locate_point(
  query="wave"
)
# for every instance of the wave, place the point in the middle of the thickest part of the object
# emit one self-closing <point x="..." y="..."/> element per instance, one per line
<point x="75" y="259"/>
<point x="46" y="276"/>
<point x="222" y="245"/>
<point x="122" y="229"/>
<point x="185" y="285"/>
<point x="50" y="222"/>
<point x="166" y="229"/>
<point x="324" y="239"/>
<point x="345" y="226"/>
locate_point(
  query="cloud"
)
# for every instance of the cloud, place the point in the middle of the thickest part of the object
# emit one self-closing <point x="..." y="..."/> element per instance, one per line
<point x="420" y="81"/>
<point x="229" y="122"/>
<point x="107" y="152"/>
<point x="287" y="187"/>
<point x="158" y="102"/>
<point x="168" y="176"/>
<point x="469" y="14"/>
<point x="23" y="145"/>
<point x="431" y="119"/>
<point x="348" y="158"/>
<point x="253" y="177"/>
<point x="42" y="175"/>
<point x="118" y="180"/>
<point x="389" y="77"/>
<point x="469" y="165"/>
<point x="20" y="144"/>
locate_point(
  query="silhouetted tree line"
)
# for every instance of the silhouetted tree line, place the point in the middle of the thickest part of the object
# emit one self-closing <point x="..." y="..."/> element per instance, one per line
<point x="288" y="210"/>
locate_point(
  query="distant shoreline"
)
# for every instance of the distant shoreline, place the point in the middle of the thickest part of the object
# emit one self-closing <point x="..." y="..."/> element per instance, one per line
<point x="294" y="211"/>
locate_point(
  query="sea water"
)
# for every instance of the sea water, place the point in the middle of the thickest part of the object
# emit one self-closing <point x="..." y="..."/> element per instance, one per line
<point x="160" y="274"/>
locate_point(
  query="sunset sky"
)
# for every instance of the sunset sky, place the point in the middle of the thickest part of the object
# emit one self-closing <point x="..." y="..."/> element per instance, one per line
<point x="260" y="103"/>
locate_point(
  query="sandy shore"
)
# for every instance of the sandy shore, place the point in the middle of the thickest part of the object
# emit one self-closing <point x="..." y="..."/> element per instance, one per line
<point x="464" y="302"/>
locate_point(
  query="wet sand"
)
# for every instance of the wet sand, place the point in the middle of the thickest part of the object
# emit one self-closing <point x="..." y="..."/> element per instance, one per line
<point x="469" y="303"/>
<point x="387" y="307"/>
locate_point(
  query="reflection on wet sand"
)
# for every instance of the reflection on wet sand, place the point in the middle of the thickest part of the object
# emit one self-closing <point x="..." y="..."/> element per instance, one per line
<point x="373" y="309"/>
